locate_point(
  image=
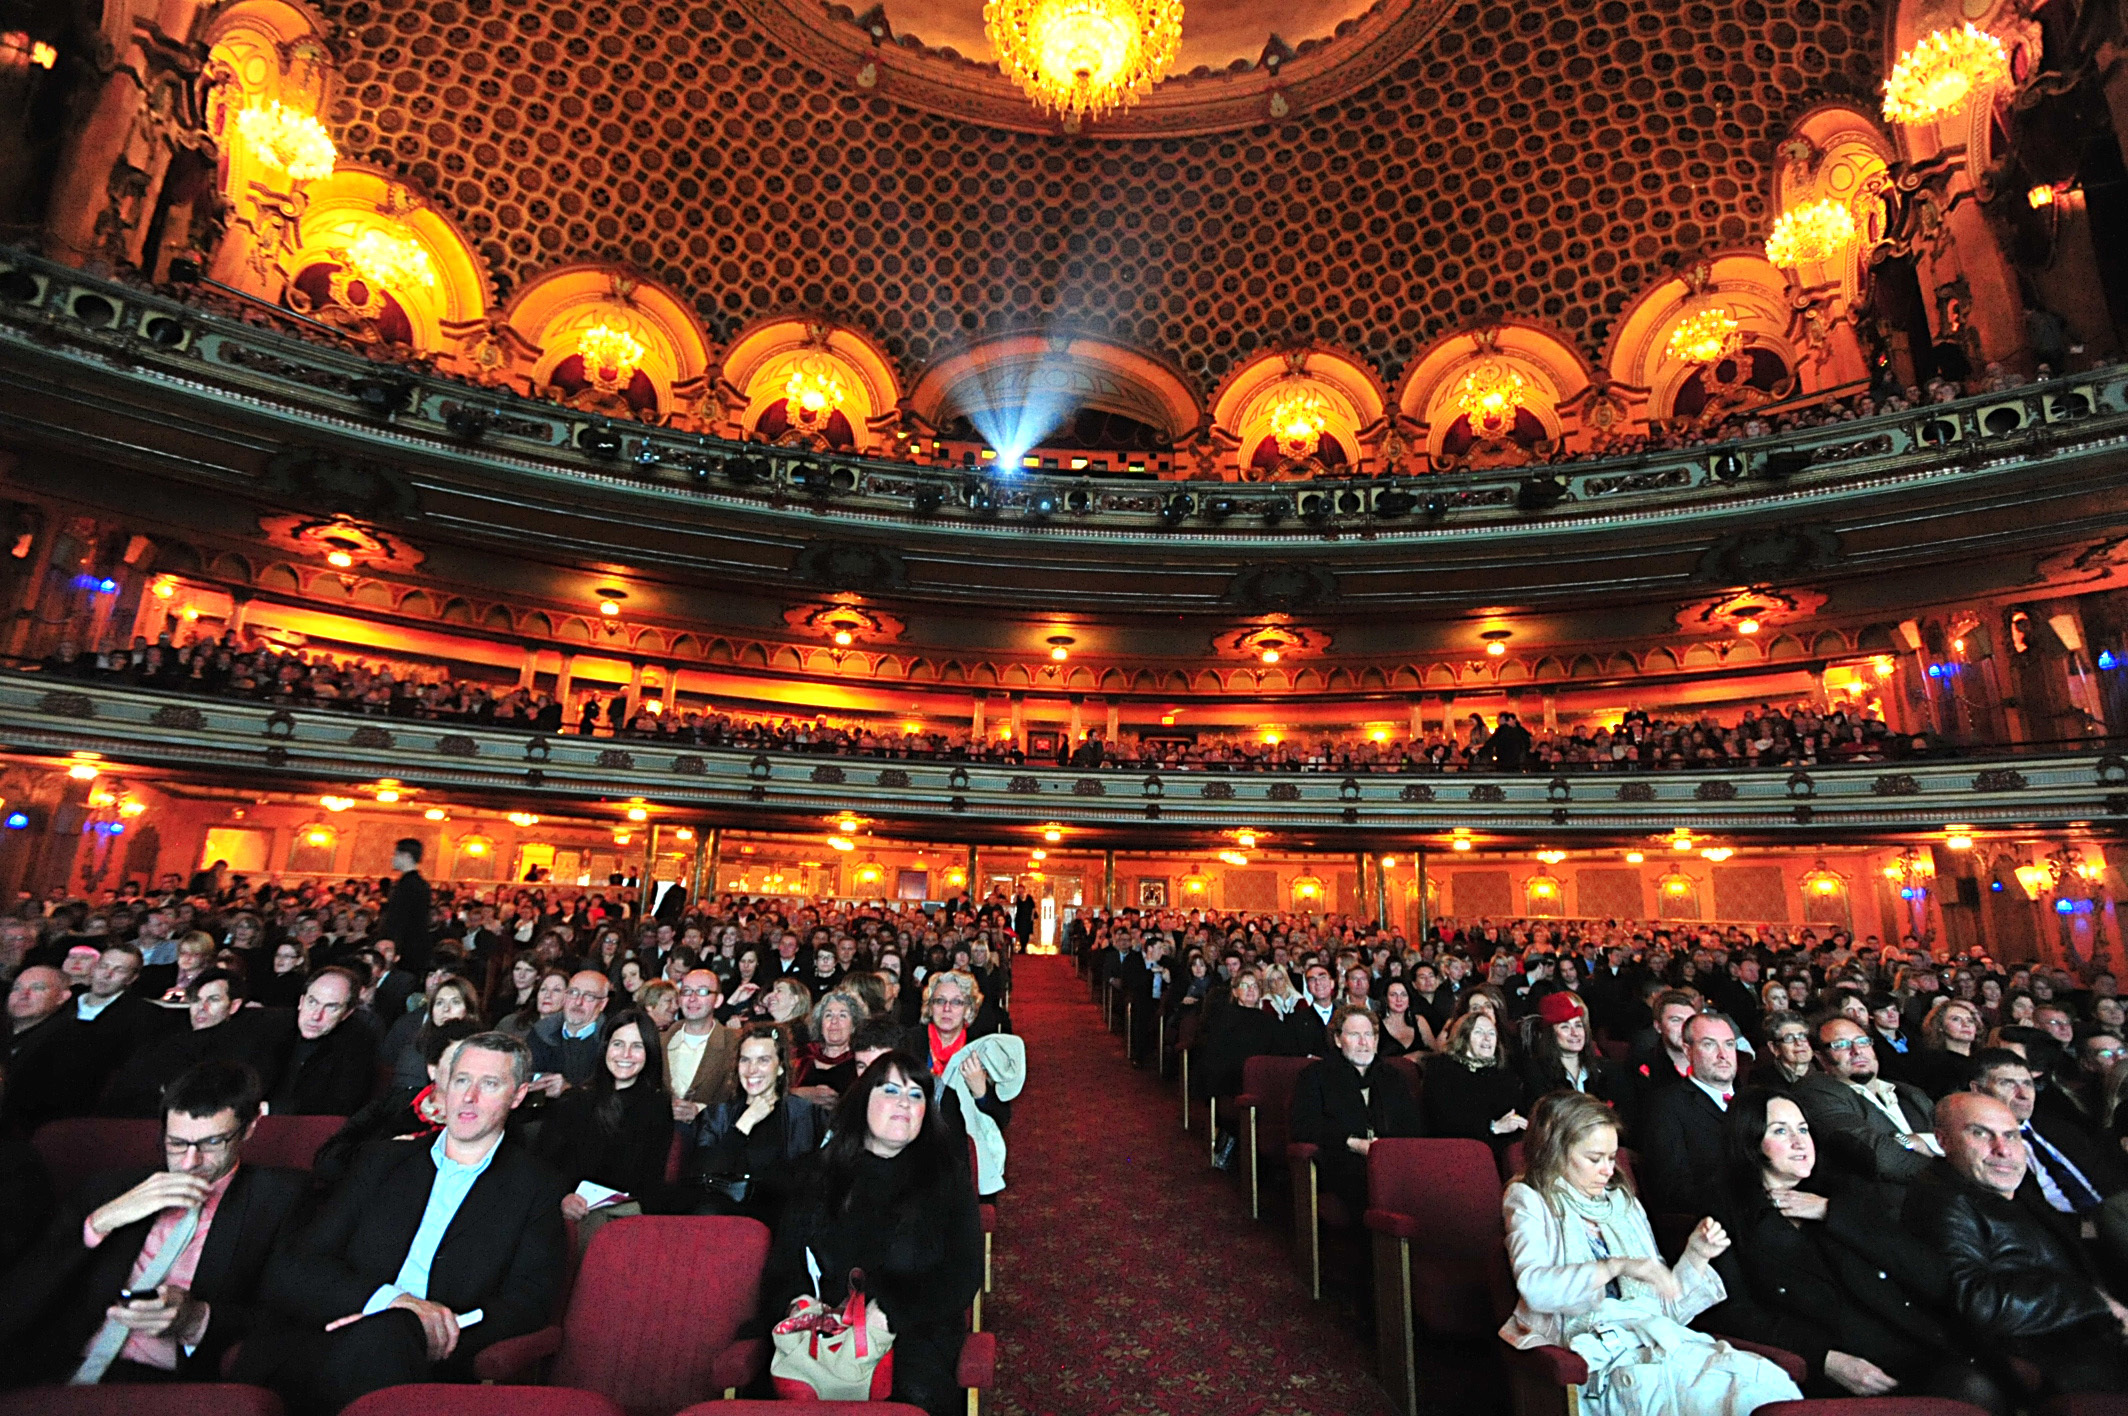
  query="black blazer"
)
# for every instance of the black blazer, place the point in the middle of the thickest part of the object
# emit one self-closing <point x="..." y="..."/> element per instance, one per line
<point x="1329" y="1110"/>
<point x="338" y="1076"/>
<point x="1304" y="1033"/>
<point x="1680" y="1149"/>
<point x="503" y="1253"/>
<point x="53" y="1300"/>
<point x="405" y="921"/>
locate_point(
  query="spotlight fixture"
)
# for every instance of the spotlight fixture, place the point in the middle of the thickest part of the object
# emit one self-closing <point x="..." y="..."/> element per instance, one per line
<point x="609" y="600"/>
<point x="599" y="440"/>
<point x="436" y="813"/>
<point x="1395" y="502"/>
<point x="637" y="813"/>
<point x="469" y="422"/>
<point x="1052" y="834"/>
<point x="1060" y="647"/>
<point x="926" y="499"/>
<point x="339" y="560"/>
<point x="1747" y="626"/>
<point x="1496" y="641"/>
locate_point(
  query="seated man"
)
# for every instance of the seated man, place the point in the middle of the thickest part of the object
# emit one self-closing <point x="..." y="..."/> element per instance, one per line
<point x="565" y="1048"/>
<point x="48" y="1075"/>
<point x="197" y="1233"/>
<point x="217" y="1028"/>
<point x="326" y="1063"/>
<point x="2071" y="1181"/>
<point x="1681" y="1126"/>
<point x="1870" y="1128"/>
<point x="427" y="1253"/>
<point x="2016" y="1289"/>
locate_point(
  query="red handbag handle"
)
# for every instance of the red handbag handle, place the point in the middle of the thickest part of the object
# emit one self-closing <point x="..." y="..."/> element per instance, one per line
<point x="853" y="1311"/>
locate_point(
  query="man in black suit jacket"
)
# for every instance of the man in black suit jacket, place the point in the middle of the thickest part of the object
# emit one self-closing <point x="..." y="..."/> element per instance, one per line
<point x="1681" y="1126"/>
<point x="2072" y="1183"/>
<point x="47" y="1072"/>
<point x="383" y="1287"/>
<point x="405" y="920"/>
<point x="1306" y="1030"/>
<point x="58" y="1297"/>
<point x="326" y="1062"/>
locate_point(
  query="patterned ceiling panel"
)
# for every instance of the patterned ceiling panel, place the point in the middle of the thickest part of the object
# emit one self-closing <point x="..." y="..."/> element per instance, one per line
<point x="1546" y="160"/>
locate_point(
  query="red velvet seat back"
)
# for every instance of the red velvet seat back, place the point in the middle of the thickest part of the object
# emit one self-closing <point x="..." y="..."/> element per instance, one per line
<point x="1268" y="1082"/>
<point x="464" y="1399"/>
<point x="290" y="1141"/>
<point x="657" y="1298"/>
<point x="125" y="1399"/>
<point x="1882" y="1406"/>
<point x="1414" y="1078"/>
<point x="1451" y="1187"/>
<point x="79" y="1146"/>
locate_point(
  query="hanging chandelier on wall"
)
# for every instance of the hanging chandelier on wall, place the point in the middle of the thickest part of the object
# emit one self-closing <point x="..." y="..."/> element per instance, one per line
<point x="1082" y="58"/>
<point x="1934" y="78"/>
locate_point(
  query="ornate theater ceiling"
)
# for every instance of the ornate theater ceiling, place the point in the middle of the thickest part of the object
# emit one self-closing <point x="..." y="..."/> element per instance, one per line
<point x="1544" y="160"/>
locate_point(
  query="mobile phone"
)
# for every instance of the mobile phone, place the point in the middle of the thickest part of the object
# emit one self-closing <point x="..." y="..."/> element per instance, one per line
<point x="139" y="1295"/>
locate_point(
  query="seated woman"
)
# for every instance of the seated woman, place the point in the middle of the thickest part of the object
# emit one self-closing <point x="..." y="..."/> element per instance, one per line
<point x="825" y="1067"/>
<point x="616" y="1131"/>
<point x="1826" y="1270"/>
<point x="1403" y="1030"/>
<point x="889" y="1196"/>
<point x="660" y="998"/>
<point x="743" y="992"/>
<point x="547" y="999"/>
<point x="1950" y="1034"/>
<point x="746" y="1148"/>
<point x="1234" y="1031"/>
<point x="1589" y="1277"/>
<point x="1343" y="1103"/>
<point x="952" y="1018"/>
<point x="1560" y="1056"/>
<point x="397" y="1111"/>
<point x="1788" y="1049"/>
<point x="1470" y="1089"/>
<point x="451" y="998"/>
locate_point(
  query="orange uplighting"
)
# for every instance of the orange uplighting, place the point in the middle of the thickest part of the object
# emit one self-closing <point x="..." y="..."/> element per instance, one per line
<point x="1496" y="649"/>
<point x="1747" y="626"/>
<point x="1060" y="653"/>
<point x="843" y="639"/>
<point x="83" y="771"/>
<point x="164" y="589"/>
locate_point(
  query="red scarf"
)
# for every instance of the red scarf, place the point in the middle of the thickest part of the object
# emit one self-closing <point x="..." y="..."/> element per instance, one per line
<point x="940" y="1053"/>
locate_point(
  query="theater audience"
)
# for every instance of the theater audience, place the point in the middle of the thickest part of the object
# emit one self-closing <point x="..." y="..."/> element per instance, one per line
<point x="890" y="1196"/>
<point x="2017" y="1291"/>
<point x="369" y="1295"/>
<point x="1681" y="1127"/>
<point x="700" y="1052"/>
<point x="1820" y="1266"/>
<point x="616" y="1130"/>
<point x="747" y="1147"/>
<point x="195" y="1236"/>
<point x="325" y="1064"/>
<point x="1864" y="1125"/>
<point x="1344" y="1102"/>
<point x="1588" y="1276"/>
<point x="398" y="1112"/>
<point x="1471" y="1091"/>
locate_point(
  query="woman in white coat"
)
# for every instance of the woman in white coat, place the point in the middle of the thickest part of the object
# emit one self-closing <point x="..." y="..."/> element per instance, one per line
<point x="1591" y="1279"/>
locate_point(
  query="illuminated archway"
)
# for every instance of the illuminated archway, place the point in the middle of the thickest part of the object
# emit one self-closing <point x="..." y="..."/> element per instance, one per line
<point x="1063" y="374"/>
<point x="1503" y="389"/>
<point x="1299" y="413"/>
<point x="609" y="341"/>
<point x="846" y="392"/>
<point x="427" y="276"/>
<point x="1738" y="306"/>
<point x="271" y="51"/>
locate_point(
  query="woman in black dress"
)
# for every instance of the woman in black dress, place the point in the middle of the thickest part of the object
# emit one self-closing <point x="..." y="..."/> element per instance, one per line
<point x="746" y="1149"/>
<point x="1470" y="1089"/>
<point x="891" y="1196"/>
<point x="616" y="1131"/>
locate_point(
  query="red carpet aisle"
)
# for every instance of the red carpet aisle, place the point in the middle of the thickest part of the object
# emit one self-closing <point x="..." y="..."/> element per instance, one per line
<point x="1131" y="1279"/>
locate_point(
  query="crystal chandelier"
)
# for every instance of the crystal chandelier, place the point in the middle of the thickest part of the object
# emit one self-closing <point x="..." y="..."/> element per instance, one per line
<point x="1706" y="336"/>
<point x="1816" y="231"/>
<point x="814" y="390"/>
<point x="391" y="262"/>
<point x="1490" y="394"/>
<point x="1298" y="417"/>
<point x="296" y="143"/>
<point x="1083" y="58"/>
<point x="611" y="356"/>
<point x="1933" y="79"/>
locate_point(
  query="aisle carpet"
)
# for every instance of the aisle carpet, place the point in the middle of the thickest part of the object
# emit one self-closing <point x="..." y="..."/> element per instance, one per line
<point x="1130" y="1277"/>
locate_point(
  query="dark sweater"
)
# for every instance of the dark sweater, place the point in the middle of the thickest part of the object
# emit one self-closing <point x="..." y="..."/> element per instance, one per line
<point x="1463" y="1102"/>
<point x="624" y="1150"/>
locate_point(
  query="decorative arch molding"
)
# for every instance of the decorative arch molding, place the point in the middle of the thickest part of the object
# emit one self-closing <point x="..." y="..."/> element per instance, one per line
<point x="1350" y="403"/>
<point x="1010" y="371"/>
<point x="552" y="313"/>
<point x="273" y="51"/>
<point x="1555" y="375"/>
<point x="759" y="364"/>
<point x="357" y="199"/>
<point x="1745" y="283"/>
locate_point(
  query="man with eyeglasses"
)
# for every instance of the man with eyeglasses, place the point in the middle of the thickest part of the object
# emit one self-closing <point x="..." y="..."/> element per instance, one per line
<point x="1307" y="1027"/>
<point x="2071" y="1181"/>
<point x="327" y="1063"/>
<point x="151" y="1276"/>
<point x="1870" y="1127"/>
<point x="701" y="1056"/>
<point x="430" y="1251"/>
<point x="566" y="1051"/>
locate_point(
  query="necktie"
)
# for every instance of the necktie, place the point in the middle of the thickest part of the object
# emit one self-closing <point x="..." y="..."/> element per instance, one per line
<point x="2067" y="1178"/>
<point x="110" y="1339"/>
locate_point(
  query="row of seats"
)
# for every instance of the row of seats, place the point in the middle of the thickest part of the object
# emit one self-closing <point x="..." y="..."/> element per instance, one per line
<point x="439" y="1399"/>
<point x="1443" y="1286"/>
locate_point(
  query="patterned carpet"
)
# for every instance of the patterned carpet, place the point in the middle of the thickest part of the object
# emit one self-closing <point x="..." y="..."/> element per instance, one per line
<point x="1130" y="1277"/>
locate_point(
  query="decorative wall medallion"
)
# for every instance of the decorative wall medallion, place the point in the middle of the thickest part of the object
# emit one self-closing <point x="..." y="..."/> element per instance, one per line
<point x="1281" y="585"/>
<point x="848" y="565"/>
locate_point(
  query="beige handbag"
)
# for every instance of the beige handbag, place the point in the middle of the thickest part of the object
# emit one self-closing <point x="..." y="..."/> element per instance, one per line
<point x="828" y="1354"/>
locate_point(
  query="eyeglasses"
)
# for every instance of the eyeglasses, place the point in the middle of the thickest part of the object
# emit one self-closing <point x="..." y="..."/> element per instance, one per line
<point x="173" y="1146"/>
<point x="698" y="993"/>
<point x="580" y="994"/>
<point x="1849" y="1044"/>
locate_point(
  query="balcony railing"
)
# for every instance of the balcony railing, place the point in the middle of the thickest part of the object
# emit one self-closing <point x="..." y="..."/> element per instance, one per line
<point x="241" y="369"/>
<point x="259" y="745"/>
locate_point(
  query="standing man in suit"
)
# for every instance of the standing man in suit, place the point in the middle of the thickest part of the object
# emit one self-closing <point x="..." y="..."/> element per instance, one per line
<point x="1869" y="1127"/>
<point x="427" y="1253"/>
<point x="405" y="920"/>
<point x="1681" y="1126"/>
<point x="198" y="1233"/>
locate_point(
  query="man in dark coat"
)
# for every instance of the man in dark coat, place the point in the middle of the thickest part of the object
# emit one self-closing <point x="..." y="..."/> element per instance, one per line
<point x="1681" y="1126"/>
<point x="112" y="1239"/>
<point x="47" y="1073"/>
<point x="406" y="913"/>
<point x="380" y="1289"/>
<point x="326" y="1061"/>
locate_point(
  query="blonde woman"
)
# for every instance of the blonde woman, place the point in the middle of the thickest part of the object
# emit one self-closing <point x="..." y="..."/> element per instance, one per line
<point x="1589" y="1277"/>
<point x="1279" y="994"/>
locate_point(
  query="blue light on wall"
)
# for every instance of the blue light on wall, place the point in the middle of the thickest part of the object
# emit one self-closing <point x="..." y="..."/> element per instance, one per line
<point x="2107" y="659"/>
<point x="16" y="820"/>
<point x="1935" y="671"/>
<point x="1995" y="886"/>
<point x="108" y="587"/>
<point x="2065" y="907"/>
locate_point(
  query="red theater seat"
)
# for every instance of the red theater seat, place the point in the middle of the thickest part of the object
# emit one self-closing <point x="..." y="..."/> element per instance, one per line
<point x="125" y="1399"/>
<point x="80" y="1146"/>
<point x="466" y="1399"/>
<point x="803" y="1408"/>
<point x="290" y="1141"/>
<point x="1440" y="1250"/>
<point x="1266" y="1103"/>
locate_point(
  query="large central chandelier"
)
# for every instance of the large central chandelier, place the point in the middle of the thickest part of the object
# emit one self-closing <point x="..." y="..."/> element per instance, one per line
<point x="611" y="356"/>
<point x="1298" y="417"/>
<point x="1706" y="336"/>
<point x="1490" y="394"/>
<point x="1815" y="231"/>
<point x="292" y="141"/>
<point x="1933" y="79"/>
<point x="1083" y="58"/>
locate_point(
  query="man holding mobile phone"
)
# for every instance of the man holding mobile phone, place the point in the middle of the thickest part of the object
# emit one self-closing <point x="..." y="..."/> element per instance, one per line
<point x="153" y="1275"/>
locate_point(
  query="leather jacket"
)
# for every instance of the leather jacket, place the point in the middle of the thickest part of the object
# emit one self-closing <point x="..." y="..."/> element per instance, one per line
<point x="2010" y="1277"/>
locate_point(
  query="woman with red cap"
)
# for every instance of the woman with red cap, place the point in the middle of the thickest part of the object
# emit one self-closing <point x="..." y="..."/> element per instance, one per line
<point x="1561" y="1055"/>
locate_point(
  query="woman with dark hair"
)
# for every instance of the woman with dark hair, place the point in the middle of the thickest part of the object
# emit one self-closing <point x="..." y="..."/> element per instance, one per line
<point x="616" y="1130"/>
<point x="746" y="1148"/>
<point x="1403" y="1030"/>
<point x="548" y="996"/>
<point x="283" y="985"/>
<point x="1824" y="1268"/>
<point x="745" y="991"/>
<point x="450" y="999"/>
<point x="890" y="1196"/>
<point x="1560" y="1056"/>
